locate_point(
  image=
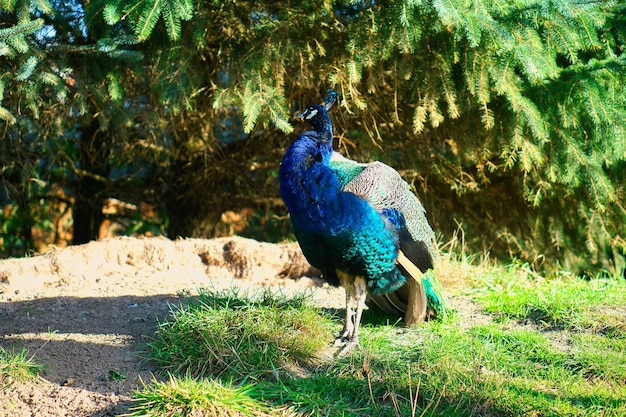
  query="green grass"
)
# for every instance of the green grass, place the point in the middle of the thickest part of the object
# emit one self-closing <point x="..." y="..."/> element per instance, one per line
<point x="190" y="397"/>
<point x="555" y="348"/>
<point x="16" y="366"/>
<point x="565" y="302"/>
<point x="520" y="372"/>
<point x="240" y="336"/>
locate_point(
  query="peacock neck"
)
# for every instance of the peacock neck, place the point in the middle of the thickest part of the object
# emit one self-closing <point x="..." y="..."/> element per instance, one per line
<point x="324" y="127"/>
<point x="305" y="152"/>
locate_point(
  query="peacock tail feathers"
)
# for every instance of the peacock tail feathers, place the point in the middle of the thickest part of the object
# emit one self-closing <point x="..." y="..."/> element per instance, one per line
<point x="434" y="294"/>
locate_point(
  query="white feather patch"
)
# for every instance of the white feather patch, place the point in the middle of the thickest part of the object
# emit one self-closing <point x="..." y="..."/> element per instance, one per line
<point x="311" y="114"/>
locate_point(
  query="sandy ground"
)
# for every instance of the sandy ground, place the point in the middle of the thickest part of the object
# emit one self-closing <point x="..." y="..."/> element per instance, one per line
<point x="86" y="312"/>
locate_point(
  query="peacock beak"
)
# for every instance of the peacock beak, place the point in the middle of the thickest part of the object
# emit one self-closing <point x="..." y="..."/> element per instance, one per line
<point x="299" y="116"/>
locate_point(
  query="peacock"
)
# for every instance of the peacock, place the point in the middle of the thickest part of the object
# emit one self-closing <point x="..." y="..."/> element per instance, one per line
<point x="360" y="225"/>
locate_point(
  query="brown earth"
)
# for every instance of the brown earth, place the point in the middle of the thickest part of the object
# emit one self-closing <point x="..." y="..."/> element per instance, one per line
<point x="85" y="312"/>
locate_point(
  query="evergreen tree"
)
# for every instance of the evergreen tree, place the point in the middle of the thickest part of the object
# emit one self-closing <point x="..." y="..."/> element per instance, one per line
<point x="65" y="122"/>
<point x="508" y="115"/>
<point x="515" y="106"/>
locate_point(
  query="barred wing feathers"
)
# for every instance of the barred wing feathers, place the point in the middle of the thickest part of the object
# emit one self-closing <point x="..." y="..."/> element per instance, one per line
<point x="391" y="196"/>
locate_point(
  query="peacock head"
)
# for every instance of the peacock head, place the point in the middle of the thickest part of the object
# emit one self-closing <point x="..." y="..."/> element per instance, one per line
<point x="317" y="115"/>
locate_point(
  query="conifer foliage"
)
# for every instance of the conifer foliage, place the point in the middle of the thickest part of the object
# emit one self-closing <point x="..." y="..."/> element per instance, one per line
<point x="510" y="115"/>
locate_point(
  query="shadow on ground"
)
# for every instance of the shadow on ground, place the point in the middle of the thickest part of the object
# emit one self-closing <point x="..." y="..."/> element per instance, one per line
<point x="94" y="344"/>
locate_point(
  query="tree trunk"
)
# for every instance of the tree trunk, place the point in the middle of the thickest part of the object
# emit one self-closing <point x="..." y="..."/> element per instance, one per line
<point x="90" y="189"/>
<point x="87" y="214"/>
<point x="26" y="221"/>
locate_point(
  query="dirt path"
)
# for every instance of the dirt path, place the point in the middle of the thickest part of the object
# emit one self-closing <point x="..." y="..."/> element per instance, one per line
<point x="85" y="312"/>
<point x="88" y="346"/>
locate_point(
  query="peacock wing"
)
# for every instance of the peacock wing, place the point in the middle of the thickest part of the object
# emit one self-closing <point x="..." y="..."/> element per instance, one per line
<point x="391" y="196"/>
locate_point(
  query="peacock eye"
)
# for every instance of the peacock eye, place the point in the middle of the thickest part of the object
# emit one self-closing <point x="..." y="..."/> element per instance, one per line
<point x="311" y="112"/>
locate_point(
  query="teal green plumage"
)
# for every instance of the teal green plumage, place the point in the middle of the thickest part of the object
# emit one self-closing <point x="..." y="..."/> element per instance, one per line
<point x="434" y="294"/>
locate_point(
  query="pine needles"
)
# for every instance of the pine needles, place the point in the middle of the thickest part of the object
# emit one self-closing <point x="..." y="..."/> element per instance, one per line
<point x="465" y="94"/>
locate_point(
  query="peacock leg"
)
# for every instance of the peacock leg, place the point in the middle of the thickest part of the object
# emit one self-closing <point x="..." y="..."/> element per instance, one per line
<point x="356" y="292"/>
<point x="348" y="327"/>
<point x="360" y="295"/>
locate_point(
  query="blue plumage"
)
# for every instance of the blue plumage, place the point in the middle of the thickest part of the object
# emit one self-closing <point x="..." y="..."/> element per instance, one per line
<point x="344" y="223"/>
<point x="336" y="229"/>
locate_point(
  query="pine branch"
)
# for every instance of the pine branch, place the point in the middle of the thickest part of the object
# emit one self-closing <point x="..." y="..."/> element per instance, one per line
<point x="148" y="18"/>
<point x="23" y="29"/>
<point x="27" y="68"/>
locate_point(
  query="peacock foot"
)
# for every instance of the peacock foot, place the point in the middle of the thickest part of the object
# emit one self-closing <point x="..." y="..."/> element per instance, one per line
<point x="342" y="340"/>
<point x="344" y="336"/>
<point x="345" y="346"/>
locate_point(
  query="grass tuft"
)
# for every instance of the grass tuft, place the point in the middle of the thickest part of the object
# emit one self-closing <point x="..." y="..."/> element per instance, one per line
<point x="187" y="396"/>
<point x="240" y="336"/>
<point x="16" y="367"/>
